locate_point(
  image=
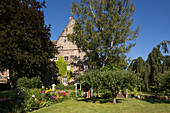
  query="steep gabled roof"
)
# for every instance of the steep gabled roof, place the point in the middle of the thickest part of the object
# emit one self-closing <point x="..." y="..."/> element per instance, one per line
<point x="70" y="20"/>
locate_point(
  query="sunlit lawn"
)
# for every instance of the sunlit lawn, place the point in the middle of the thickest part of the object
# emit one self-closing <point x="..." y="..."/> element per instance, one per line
<point x="101" y="106"/>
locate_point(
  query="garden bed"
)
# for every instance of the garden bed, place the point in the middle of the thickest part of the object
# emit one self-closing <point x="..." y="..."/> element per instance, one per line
<point x="24" y="100"/>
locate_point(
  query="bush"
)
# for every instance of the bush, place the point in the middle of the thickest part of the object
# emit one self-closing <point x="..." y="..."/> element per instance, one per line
<point x="107" y="94"/>
<point x="72" y="94"/>
<point x="69" y="87"/>
<point x="34" y="82"/>
<point x="24" y="82"/>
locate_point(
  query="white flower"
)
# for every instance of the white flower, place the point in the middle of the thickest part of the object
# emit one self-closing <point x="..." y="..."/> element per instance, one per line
<point x="33" y="95"/>
<point x="35" y="98"/>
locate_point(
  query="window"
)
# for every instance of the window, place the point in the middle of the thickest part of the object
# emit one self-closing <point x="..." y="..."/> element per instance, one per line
<point x="65" y="40"/>
<point x="85" y="67"/>
<point x="3" y="72"/>
<point x="55" y="58"/>
<point x="64" y="80"/>
<point x="66" y="58"/>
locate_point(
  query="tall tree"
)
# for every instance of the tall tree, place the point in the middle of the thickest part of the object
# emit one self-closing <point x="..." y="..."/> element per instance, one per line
<point x="103" y="29"/>
<point x="155" y="60"/>
<point x="166" y="63"/>
<point x="143" y="70"/>
<point x="164" y="46"/>
<point x="25" y="46"/>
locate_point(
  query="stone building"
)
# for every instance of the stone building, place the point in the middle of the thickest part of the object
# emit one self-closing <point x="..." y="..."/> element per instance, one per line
<point x="4" y="76"/>
<point x="69" y="51"/>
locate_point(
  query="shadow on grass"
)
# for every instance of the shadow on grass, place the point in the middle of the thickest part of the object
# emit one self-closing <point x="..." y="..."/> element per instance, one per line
<point x="100" y="100"/>
<point x="154" y="101"/>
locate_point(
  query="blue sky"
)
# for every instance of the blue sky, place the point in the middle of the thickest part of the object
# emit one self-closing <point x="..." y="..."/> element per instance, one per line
<point x="152" y="15"/>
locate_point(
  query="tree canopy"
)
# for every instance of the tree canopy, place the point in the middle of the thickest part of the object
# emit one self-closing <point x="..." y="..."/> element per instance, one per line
<point x="143" y="71"/>
<point x="25" y="46"/>
<point x="112" y="80"/>
<point x="103" y="30"/>
<point x="154" y="73"/>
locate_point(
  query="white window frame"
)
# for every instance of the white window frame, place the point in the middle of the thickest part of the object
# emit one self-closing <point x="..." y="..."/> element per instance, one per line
<point x="66" y="58"/>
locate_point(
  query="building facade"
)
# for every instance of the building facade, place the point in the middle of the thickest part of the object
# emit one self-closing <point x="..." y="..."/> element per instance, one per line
<point x="4" y="76"/>
<point x="69" y="51"/>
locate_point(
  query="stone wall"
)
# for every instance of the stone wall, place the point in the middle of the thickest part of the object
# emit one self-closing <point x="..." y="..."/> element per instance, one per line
<point x="68" y="50"/>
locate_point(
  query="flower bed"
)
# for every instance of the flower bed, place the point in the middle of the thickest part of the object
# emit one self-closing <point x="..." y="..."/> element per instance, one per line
<point x="30" y="99"/>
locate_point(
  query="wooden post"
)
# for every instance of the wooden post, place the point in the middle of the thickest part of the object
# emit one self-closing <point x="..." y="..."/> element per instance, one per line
<point x="80" y="87"/>
<point x="126" y="93"/>
<point x="91" y="92"/>
<point x="76" y="90"/>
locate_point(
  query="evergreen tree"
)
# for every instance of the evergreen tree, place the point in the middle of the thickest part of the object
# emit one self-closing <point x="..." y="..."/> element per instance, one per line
<point x="25" y="46"/>
<point x="142" y="69"/>
<point x="166" y="63"/>
<point x="155" y="60"/>
<point x="103" y="29"/>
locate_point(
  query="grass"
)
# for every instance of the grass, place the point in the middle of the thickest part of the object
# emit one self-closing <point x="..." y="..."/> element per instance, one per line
<point x="104" y="106"/>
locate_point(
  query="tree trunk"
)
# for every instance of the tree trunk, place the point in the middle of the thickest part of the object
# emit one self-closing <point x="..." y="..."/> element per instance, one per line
<point x="114" y="100"/>
<point x="114" y="95"/>
<point x="12" y="79"/>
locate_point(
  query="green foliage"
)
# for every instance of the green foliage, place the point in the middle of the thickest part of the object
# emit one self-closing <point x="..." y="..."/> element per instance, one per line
<point x="25" y="100"/>
<point x="69" y="74"/>
<point x="25" y="46"/>
<point x="162" y="86"/>
<point x="142" y="69"/>
<point x="69" y="87"/>
<point x="34" y="82"/>
<point x="154" y="72"/>
<point x="112" y="80"/>
<point x="106" y="94"/>
<point x="166" y="63"/>
<point x="72" y="94"/>
<point x="62" y="66"/>
<point x="24" y="82"/>
<point x="103" y="30"/>
<point x="164" y="46"/>
<point x="11" y="101"/>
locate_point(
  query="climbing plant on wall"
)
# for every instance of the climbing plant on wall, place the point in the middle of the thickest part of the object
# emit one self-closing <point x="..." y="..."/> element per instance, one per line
<point x="62" y="68"/>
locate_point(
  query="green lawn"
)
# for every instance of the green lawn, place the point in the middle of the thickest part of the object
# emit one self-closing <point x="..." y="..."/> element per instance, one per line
<point x="101" y="106"/>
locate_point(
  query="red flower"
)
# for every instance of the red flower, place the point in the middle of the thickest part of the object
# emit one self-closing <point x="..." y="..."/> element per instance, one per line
<point x="39" y="101"/>
<point x="64" y="93"/>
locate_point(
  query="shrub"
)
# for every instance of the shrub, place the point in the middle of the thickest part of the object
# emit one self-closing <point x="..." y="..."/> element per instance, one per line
<point x="34" y="82"/>
<point x="72" y="94"/>
<point x="24" y="82"/>
<point x="107" y="94"/>
<point x="69" y="87"/>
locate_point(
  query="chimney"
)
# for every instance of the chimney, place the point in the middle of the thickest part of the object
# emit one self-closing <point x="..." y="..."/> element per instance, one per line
<point x="70" y="17"/>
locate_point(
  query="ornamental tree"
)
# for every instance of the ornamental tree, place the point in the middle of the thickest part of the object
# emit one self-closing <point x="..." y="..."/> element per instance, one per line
<point x="113" y="80"/>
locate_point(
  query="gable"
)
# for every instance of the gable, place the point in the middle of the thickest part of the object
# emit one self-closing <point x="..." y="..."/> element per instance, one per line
<point x="62" y="41"/>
